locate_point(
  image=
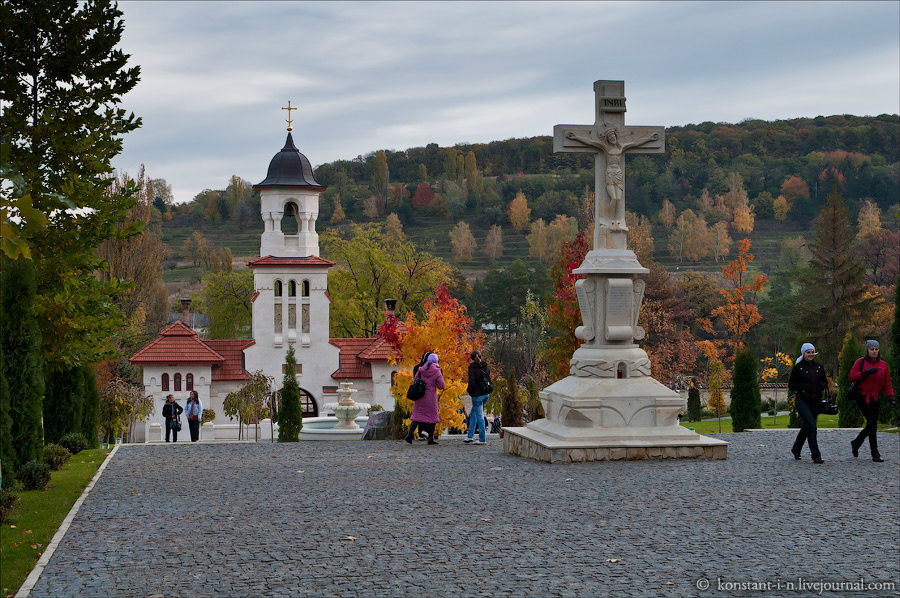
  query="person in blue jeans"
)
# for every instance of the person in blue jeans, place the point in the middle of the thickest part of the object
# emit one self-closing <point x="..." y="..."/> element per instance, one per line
<point x="479" y="388"/>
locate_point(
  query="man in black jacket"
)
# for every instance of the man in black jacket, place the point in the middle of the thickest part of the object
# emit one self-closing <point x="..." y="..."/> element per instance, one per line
<point x="808" y="381"/>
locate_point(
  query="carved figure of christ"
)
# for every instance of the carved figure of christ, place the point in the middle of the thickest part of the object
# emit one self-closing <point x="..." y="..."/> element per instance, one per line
<point x="614" y="148"/>
<point x="609" y="139"/>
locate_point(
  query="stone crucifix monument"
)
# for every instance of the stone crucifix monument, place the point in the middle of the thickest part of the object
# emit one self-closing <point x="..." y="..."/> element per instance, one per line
<point x="609" y="407"/>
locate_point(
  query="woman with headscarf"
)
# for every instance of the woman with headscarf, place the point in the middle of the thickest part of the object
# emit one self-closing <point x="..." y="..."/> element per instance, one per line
<point x="808" y="381"/>
<point x="871" y="373"/>
<point x="425" y="411"/>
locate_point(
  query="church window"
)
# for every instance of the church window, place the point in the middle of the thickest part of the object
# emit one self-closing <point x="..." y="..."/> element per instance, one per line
<point x="305" y="316"/>
<point x="306" y="288"/>
<point x="278" y="288"/>
<point x="189" y="382"/>
<point x="292" y="288"/>
<point x="165" y="382"/>
<point x="177" y="382"/>
<point x="298" y="368"/>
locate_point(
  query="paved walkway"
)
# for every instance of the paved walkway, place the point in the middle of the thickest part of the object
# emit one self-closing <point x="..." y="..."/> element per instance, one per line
<point x="386" y="519"/>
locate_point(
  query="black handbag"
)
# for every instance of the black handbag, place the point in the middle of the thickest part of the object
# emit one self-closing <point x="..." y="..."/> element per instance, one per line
<point x="827" y="407"/>
<point x="486" y="385"/>
<point x="175" y="424"/>
<point x="416" y="389"/>
<point x="853" y="391"/>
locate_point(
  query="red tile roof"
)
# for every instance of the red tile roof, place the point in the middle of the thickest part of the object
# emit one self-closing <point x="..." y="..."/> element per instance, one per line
<point x="177" y="343"/>
<point x="349" y="366"/>
<point x="378" y="350"/>
<point x="276" y="262"/>
<point x="233" y="352"/>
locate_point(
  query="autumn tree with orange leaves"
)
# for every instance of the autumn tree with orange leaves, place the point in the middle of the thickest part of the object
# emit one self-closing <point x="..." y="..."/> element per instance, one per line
<point x="447" y="331"/>
<point x="739" y="312"/>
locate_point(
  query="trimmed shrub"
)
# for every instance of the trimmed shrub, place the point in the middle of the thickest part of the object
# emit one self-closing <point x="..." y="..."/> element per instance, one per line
<point x="74" y="442"/>
<point x="694" y="408"/>
<point x="56" y="456"/>
<point x="290" y="415"/>
<point x="511" y="406"/>
<point x="375" y="408"/>
<point x="91" y="407"/>
<point x="34" y="475"/>
<point x="8" y="500"/>
<point x="746" y="404"/>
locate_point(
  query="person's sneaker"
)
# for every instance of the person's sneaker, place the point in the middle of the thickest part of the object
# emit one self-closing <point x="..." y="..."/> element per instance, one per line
<point x="877" y="458"/>
<point x="818" y="460"/>
<point x="480" y="442"/>
<point x="468" y="440"/>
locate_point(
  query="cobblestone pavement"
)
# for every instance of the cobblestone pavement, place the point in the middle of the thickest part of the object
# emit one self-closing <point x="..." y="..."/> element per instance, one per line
<point x="384" y="518"/>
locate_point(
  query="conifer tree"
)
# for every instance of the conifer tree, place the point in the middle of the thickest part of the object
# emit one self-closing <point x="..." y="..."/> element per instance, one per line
<point x="63" y="403"/>
<point x="7" y="454"/>
<point x="22" y="367"/>
<point x="91" y="405"/>
<point x="746" y="404"/>
<point x="511" y="405"/>
<point x="290" y="416"/>
<point x="849" y="415"/>
<point x="694" y="408"/>
<point x="834" y="290"/>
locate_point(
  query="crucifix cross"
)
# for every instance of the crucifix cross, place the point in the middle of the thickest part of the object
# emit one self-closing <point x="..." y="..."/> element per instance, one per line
<point x="288" y="108"/>
<point x="609" y="140"/>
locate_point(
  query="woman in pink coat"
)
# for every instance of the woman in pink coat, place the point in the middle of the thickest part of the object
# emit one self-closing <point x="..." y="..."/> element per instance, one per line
<point x="425" y="410"/>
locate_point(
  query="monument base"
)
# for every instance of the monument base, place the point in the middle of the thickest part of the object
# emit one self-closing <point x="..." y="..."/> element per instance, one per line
<point x="599" y="419"/>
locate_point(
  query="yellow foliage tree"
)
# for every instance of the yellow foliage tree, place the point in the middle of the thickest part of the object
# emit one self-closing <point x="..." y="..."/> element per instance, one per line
<point x="447" y="331"/>
<point x="781" y="206"/>
<point x="640" y="237"/>
<point x="667" y="214"/>
<point x="393" y="228"/>
<point x="462" y="241"/>
<point x="338" y="215"/>
<point x="743" y="217"/>
<point x="869" y="218"/>
<point x="721" y="242"/>
<point x="493" y="243"/>
<point x="537" y="240"/>
<point x="519" y="213"/>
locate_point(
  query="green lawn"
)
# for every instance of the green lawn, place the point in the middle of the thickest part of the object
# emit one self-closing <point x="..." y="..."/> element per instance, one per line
<point x="712" y="427"/>
<point x="30" y="527"/>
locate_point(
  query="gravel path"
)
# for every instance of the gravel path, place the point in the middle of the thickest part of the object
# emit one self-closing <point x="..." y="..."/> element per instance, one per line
<point x="384" y="518"/>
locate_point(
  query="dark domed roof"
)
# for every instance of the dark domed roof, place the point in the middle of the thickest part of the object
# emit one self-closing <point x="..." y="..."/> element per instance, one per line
<point x="290" y="168"/>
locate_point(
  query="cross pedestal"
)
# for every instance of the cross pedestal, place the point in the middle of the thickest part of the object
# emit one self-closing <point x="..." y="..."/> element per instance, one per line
<point x="609" y="407"/>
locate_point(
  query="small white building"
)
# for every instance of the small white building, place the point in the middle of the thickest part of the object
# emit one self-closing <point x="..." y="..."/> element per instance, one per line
<point x="290" y="308"/>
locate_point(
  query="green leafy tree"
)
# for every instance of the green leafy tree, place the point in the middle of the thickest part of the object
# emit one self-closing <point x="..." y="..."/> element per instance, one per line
<point x="746" y="404"/>
<point x="22" y="368"/>
<point x="894" y="362"/>
<point x="380" y="175"/>
<point x="290" y="415"/>
<point x="834" y="290"/>
<point x="7" y="452"/>
<point x="250" y="403"/>
<point x="226" y="300"/>
<point x="373" y="266"/>
<point x="62" y="83"/>
<point x="849" y="415"/>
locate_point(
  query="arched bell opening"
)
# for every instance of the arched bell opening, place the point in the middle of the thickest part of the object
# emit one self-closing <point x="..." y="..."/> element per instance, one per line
<point x="290" y="223"/>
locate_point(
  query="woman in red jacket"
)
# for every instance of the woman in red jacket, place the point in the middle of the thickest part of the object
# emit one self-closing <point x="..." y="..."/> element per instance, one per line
<point x="872" y="375"/>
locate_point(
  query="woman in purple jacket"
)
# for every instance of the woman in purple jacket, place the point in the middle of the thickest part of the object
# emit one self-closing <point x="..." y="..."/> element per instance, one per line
<point x="425" y="410"/>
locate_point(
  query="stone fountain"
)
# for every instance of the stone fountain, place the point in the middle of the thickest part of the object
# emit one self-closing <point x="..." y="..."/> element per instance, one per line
<point x="343" y="425"/>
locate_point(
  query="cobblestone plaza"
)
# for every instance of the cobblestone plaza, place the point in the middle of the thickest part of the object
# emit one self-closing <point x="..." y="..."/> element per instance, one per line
<point x="383" y="518"/>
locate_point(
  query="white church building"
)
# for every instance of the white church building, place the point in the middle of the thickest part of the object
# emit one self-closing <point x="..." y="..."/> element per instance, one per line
<point x="290" y="308"/>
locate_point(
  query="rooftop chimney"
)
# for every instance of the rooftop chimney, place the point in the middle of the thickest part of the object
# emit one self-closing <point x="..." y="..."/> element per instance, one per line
<point x="390" y="305"/>
<point x="185" y="312"/>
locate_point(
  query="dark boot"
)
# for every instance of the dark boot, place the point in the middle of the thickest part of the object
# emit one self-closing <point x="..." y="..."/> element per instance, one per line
<point x="430" y="432"/>
<point x="409" y="436"/>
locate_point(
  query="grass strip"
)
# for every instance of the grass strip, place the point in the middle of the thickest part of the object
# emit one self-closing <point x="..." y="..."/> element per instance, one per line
<point x="30" y="527"/>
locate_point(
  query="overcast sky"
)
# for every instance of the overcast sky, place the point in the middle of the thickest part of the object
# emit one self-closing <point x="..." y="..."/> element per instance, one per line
<point x="371" y="76"/>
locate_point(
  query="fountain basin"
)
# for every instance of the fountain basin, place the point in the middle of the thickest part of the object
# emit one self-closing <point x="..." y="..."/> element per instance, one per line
<point x="323" y="428"/>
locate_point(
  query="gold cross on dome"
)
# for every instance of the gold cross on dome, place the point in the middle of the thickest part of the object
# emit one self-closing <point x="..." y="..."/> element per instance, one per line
<point x="289" y="121"/>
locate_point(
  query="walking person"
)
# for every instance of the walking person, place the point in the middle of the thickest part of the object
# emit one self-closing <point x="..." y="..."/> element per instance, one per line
<point x="171" y="410"/>
<point x="194" y="411"/>
<point x="808" y="381"/>
<point x="425" y="411"/>
<point x="871" y="374"/>
<point x="479" y="388"/>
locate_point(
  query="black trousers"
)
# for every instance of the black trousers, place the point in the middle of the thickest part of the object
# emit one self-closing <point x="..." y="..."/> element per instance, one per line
<point x="807" y="433"/>
<point x="173" y="432"/>
<point x="870" y="412"/>
<point x="194" y="426"/>
<point x="427" y="428"/>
